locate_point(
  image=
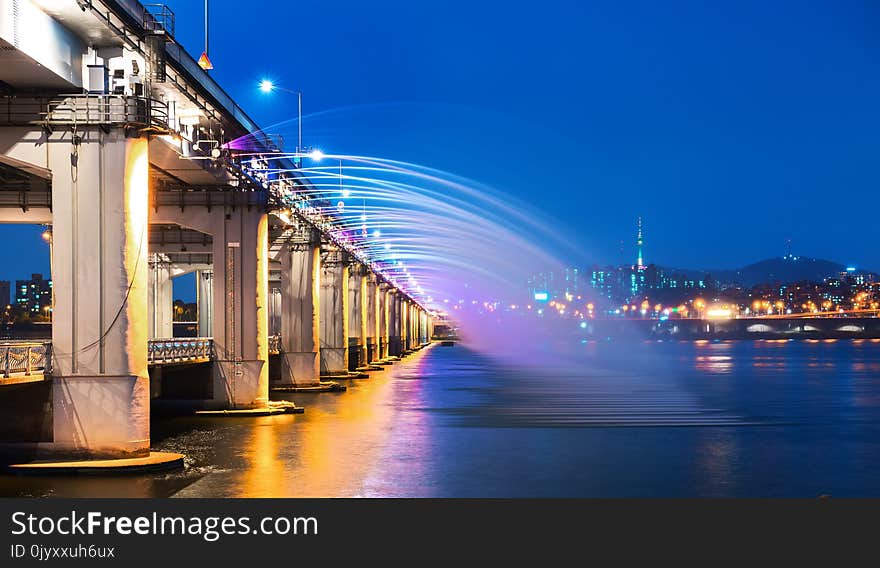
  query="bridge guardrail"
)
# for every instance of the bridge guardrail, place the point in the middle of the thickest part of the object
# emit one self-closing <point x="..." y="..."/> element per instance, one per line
<point x="96" y="109"/>
<point x="180" y="350"/>
<point x="25" y="358"/>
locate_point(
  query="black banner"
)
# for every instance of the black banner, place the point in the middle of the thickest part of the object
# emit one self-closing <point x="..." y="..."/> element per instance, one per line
<point x="240" y="532"/>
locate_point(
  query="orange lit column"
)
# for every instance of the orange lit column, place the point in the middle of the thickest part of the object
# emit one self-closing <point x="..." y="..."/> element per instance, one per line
<point x="394" y="322"/>
<point x="423" y="327"/>
<point x="240" y="315"/>
<point x="382" y="302"/>
<point x="371" y="309"/>
<point x="100" y="387"/>
<point x="412" y="320"/>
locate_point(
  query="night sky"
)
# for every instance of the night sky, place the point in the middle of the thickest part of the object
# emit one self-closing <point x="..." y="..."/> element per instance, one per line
<point x="730" y="127"/>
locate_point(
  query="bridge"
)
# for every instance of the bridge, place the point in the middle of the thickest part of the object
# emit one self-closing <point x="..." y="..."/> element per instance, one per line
<point x="855" y="324"/>
<point x="112" y="135"/>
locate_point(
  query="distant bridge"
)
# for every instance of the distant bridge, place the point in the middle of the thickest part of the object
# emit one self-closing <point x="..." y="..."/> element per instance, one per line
<point x="766" y="327"/>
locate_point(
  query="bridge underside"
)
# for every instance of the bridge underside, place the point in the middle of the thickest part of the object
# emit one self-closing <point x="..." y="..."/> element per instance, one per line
<point x="130" y="168"/>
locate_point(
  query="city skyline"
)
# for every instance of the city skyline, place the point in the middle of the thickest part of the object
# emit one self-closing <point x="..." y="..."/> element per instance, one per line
<point x="39" y="263"/>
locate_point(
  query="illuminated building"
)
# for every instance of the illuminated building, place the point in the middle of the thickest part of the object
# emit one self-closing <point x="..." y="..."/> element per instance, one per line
<point x="640" y="243"/>
<point x="33" y="296"/>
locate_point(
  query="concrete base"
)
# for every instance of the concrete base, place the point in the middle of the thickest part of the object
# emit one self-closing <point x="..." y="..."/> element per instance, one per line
<point x="299" y="367"/>
<point x="156" y="461"/>
<point x="321" y="387"/>
<point x="334" y="375"/>
<point x="288" y="406"/>
<point x="270" y="410"/>
<point x="357" y="375"/>
<point x="368" y="368"/>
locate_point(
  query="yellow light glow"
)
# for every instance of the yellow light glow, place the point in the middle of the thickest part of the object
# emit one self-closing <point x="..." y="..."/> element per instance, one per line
<point x="719" y="313"/>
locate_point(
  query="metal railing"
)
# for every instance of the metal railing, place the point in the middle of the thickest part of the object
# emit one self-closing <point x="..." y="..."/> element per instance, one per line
<point x="158" y="18"/>
<point x="111" y="110"/>
<point x="25" y="358"/>
<point x="274" y="344"/>
<point x="180" y="350"/>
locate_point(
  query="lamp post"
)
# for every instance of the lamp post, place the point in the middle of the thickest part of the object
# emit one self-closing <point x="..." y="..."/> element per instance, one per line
<point x="47" y="237"/>
<point x="267" y="86"/>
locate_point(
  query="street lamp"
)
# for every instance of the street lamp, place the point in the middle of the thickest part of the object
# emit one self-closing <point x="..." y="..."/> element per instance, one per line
<point x="268" y="86"/>
<point x="47" y="237"/>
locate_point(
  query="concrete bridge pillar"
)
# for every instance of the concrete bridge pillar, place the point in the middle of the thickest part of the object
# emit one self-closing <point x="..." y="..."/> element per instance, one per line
<point x="371" y="311"/>
<point x="357" y="316"/>
<point x="274" y="308"/>
<point x="300" y="308"/>
<point x="423" y="327"/>
<point x="100" y="401"/>
<point x="412" y="340"/>
<point x="417" y="326"/>
<point x="401" y="322"/>
<point x="407" y="331"/>
<point x="429" y="328"/>
<point x="383" y="303"/>
<point x="334" y="298"/>
<point x="394" y="322"/>
<point x="240" y="315"/>
<point x="160" y="297"/>
<point x="205" y="302"/>
<point x="405" y="322"/>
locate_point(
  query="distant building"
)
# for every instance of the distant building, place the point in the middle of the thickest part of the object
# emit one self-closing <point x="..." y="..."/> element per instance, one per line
<point x="640" y="245"/>
<point x="5" y="298"/>
<point x="34" y="296"/>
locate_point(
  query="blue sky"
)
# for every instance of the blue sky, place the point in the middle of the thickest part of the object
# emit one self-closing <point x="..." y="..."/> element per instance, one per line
<point x="730" y="127"/>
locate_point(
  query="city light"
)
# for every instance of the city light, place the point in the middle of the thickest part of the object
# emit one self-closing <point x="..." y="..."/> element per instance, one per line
<point x="267" y="86"/>
<point x="719" y="313"/>
<point x="316" y="155"/>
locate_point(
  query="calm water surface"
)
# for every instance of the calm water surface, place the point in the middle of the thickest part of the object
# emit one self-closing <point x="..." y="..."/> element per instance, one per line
<point x="670" y="419"/>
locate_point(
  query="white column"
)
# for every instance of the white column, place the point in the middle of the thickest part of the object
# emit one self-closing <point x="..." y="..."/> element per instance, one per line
<point x="394" y="321"/>
<point x="357" y="315"/>
<point x="240" y="318"/>
<point x="405" y="322"/>
<point x="300" y="295"/>
<point x="101" y="403"/>
<point x="383" y="304"/>
<point x="274" y="308"/>
<point x="411" y="323"/>
<point x="423" y="327"/>
<point x="371" y="300"/>
<point x="160" y="297"/>
<point x="205" y="302"/>
<point x="334" y="311"/>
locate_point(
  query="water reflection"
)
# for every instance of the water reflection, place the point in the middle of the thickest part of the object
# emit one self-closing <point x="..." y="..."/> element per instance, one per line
<point x="788" y="419"/>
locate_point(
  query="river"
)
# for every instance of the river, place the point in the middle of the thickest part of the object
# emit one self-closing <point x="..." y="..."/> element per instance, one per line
<point x="647" y="419"/>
